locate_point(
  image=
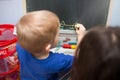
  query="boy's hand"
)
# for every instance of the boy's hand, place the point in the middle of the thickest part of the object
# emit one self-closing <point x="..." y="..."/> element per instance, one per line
<point x="80" y="30"/>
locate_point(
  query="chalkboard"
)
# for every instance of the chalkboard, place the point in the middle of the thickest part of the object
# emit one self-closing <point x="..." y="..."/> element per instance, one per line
<point x="88" y="12"/>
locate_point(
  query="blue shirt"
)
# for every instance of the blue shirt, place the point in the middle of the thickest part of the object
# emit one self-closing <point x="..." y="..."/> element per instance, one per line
<point x="32" y="68"/>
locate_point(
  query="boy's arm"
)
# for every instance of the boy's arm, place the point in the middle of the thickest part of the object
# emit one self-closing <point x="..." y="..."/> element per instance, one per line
<point x="80" y="30"/>
<point x="67" y="62"/>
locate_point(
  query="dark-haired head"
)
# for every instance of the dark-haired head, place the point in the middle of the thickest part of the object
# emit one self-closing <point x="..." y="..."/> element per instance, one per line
<point x="98" y="55"/>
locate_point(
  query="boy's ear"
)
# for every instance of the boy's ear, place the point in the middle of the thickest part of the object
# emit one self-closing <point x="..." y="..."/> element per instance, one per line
<point x="48" y="47"/>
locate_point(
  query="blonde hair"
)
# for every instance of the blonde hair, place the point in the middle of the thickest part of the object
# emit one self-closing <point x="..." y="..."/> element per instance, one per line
<point x="37" y="29"/>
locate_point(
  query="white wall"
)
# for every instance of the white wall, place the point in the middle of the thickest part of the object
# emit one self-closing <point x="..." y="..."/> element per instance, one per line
<point x="115" y="14"/>
<point x="10" y="11"/>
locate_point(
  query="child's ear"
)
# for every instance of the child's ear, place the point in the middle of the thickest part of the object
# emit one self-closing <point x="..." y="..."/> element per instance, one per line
<point x="48" y="47"/>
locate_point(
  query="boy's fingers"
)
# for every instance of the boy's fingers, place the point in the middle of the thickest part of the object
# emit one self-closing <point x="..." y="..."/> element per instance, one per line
<point x="76" y="28"/>
<point x="79" y="27"/>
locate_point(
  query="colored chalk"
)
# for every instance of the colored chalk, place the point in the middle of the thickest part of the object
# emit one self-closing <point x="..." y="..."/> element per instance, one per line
<point x="66" y="46"/>
<point x="73" y="46"/>
<point x="72" y="43"/>
<point x="69" y="46"/>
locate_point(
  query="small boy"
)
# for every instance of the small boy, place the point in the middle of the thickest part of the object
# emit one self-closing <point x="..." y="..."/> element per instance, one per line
<point x="37" y="33"/>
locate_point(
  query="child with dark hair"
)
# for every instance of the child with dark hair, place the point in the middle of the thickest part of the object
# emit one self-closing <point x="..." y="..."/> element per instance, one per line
<point x="98" y="55"/>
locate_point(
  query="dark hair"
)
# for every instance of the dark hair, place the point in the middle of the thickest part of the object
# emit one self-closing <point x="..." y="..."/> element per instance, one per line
<point x="98" y="55"/>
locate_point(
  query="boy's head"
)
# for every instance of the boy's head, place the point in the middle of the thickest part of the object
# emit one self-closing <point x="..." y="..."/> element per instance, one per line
<point x="38" y="30"/>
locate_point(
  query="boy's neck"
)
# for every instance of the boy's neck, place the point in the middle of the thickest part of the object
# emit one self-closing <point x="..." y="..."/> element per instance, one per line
<point x="41" y="55"/>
